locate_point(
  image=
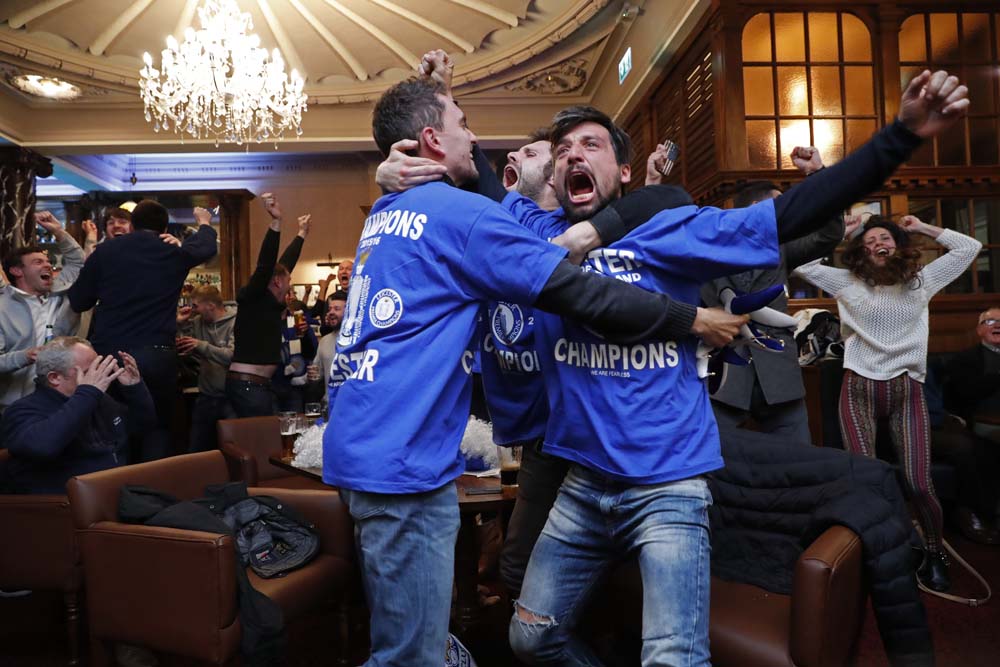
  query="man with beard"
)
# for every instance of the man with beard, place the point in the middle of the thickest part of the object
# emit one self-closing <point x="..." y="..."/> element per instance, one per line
<point x="34" y="308"/>
<point x="319" y="370"/>
<point x="427" y="259"/>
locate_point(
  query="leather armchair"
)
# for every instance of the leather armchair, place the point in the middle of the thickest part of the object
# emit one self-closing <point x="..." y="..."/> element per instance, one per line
<point x="816" y="626"/>
<point x="174" y="590"/>
<point x="248" y="443"/>
<point x="45" y="557"/>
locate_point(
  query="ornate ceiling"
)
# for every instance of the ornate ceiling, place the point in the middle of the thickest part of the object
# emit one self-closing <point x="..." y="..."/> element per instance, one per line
<point x="538" y="55"/>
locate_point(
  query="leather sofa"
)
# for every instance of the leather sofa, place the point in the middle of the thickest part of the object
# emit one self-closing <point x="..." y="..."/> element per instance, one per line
<point x="41" y="553"/>
<point x="816" y="626"/>
<point x="248" y="443"/>
<point x="175" y="591"/>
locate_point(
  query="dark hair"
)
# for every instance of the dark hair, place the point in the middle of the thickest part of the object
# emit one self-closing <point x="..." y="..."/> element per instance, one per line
<point x="569" y="118"/>
<point x="902" y="267"/>
<point x="296" y="304"/>
<point x="14" y="257"/>
<point x="540" y="134"/>
<point x="150" y="215"/>
<point x="339" y="295"/>
<point x="120" y="213"/>
<point x="752" y="192"/>
<point x="406" y="109"/>
<point x="280" y="270"/>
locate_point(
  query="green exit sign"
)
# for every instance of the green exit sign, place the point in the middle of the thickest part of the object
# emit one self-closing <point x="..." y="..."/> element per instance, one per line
<point x="625" y="65"/>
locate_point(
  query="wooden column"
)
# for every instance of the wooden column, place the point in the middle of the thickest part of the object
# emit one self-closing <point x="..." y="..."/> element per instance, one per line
<point x="18" y="169"/>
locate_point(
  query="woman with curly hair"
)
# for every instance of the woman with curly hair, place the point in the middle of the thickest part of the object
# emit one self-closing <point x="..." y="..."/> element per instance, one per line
<point x="882" y="296"/>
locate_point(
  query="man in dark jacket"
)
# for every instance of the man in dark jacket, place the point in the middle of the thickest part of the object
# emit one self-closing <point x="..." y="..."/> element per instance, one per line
<point x="69" y="426"/>
<point x="135" y="281"/>
<point x="770" y="389"/>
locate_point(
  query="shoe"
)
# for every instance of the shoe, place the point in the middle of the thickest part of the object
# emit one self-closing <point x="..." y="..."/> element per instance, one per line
<point x="933" y="572"/>
<point x="127" y="655"/>
<point x="14" y="594"/>
<point x="975" y="529"/>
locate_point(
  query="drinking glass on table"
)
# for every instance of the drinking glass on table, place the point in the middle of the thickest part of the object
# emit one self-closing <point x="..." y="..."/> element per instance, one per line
<point x="510" y="465"/>
<point x="289" y="425"/>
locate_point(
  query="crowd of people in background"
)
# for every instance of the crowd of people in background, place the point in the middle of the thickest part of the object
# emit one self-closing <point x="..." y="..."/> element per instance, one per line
<point x="573" y="365"/>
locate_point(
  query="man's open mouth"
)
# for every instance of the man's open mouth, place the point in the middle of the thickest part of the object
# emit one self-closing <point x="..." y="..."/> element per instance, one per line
<point x="510" y="177"/>
<point x="580" y="187"/>
<point x="45" y="276"/>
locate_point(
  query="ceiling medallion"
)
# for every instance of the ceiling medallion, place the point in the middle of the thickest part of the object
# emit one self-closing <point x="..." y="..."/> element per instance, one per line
<point x="45" y="86"/>
<point x="563" y="78"/>
<point x="219" y="83"/>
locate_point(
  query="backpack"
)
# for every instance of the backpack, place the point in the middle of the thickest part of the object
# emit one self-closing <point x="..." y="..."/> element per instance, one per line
<point x="270" y="537"/>
<point x="819" y="337"/>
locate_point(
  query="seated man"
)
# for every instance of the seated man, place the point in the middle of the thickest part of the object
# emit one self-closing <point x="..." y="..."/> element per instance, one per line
<point x="69" y="426"/>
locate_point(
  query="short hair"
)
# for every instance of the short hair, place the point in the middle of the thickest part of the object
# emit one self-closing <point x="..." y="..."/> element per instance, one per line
<point x="297" y="304"/>
<point x="56" y="356"/>
<point x="339" y="295"/>
<point x="280" y="271"/>
<point x="207" y="293"/>
<point x="406" y="109"/>
<point x="119" y="213"/>
<point x="150" y="215"/>
<point x="15" y="258"/>
<point x="540" y="134"/>
<point x="979" y="320"/>
<point x="569" y="118"/>
<point x="752" y="192"/>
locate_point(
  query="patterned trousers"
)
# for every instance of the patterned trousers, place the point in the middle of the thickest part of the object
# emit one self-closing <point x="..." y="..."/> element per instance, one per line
<point x="901" y="399"/>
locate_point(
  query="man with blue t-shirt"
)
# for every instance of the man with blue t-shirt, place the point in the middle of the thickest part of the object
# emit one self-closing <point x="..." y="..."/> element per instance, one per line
<point x="400" y="382"/>
<point x="635" y="419"/>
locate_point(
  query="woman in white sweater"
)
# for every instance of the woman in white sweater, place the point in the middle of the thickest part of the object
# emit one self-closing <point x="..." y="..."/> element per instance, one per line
<point x="882" y="298"/>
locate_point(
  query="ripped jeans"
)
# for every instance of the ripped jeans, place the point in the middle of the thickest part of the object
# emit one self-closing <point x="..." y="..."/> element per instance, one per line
<point x="594" y="523"/>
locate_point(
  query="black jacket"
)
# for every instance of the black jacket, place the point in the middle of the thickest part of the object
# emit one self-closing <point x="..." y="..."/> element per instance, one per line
<point x="773" y="499"/>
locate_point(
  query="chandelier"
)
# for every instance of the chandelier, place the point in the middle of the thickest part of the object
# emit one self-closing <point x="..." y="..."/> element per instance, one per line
<point x="219" y="83"/>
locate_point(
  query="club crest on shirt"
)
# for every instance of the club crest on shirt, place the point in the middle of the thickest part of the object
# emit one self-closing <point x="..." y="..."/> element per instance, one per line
<point x="507" y="322"/>
<point x="386" y="308"/>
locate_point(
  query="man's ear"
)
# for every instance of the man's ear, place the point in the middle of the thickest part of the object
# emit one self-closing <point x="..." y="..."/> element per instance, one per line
<point x="14" y="276"/>
<point x="430" y="141"/>
<point x="52" y="378"/>
<point x="626" y="173"/>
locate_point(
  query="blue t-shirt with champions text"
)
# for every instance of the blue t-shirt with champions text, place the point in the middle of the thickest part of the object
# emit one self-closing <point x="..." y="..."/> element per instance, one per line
<point x="639" y="413"/>
<point x="511" y="371"/>
<point x="400" y="383"/>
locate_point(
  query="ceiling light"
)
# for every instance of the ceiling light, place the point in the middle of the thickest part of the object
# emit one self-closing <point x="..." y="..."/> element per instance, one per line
<point x="219" y="82"/>
<point x="46" y="86"/>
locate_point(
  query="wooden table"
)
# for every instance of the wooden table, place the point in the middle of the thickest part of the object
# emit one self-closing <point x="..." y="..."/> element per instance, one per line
<point x="468" y="611"/>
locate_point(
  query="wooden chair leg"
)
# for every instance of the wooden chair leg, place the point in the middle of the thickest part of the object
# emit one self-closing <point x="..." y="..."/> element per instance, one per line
<point x="344" y="630"/>
<point x="71" y="601"/>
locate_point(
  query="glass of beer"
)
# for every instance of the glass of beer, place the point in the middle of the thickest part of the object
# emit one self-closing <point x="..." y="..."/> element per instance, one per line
<point x="289" y="425"/>
<point x="510" y="464"/>
<point x="313" y="412"/>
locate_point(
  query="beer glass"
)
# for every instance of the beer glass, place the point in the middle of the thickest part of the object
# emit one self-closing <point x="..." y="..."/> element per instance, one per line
<point x="313" y="412"/>
<point x="289" y="424"/>
<point x="510" y="464"/>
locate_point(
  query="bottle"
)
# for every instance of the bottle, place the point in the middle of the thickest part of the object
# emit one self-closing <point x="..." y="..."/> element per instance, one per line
<point x="49" y="335"/>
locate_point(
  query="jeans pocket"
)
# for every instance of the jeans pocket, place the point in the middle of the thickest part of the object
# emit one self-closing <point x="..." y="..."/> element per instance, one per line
<point x="363" y="505"/>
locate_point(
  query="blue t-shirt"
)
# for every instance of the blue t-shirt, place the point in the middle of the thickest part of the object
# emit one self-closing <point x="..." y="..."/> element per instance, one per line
<point x="511" y="370"/>
<point x="400" y="383"/>
<point x="639" y="413"/>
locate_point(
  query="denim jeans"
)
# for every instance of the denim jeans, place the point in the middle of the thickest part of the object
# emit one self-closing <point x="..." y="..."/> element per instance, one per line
<point x="249" y="399"/>
<point x="205" y="415"/>
<point x="595" y="522"/>
<point x="406" y="549"/>
<point x="538" y="484"/>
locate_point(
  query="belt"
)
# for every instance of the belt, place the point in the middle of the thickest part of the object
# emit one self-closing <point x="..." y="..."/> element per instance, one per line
<point x="249" y="377"/>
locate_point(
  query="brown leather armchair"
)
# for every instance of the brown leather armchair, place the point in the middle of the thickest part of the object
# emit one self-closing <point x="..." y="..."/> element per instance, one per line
<point x="45" y="557"/>
<point x="173" y="590"/>
<point x="816" y="626"/>
<point x="248" y="443"/>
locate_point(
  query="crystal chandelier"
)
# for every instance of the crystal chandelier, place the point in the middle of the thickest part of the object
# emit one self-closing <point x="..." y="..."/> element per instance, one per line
<point x="219" y="83"/>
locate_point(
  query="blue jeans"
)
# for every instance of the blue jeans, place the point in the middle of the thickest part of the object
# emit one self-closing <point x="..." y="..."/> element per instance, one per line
<point x="594" y="523"/>
<point x="406" y="549"/>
